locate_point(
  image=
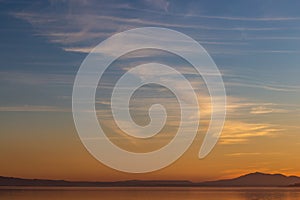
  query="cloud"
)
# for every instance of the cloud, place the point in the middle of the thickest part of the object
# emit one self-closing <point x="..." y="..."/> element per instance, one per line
<point x="265" y="110"/>
<point x="242" y="154"/>
<point x="242" y="106"/>
<point x="79" y="26"/>
<point x="33" y="78"/>
<point x="273" y="38"/>
<point x="33" y="108"/>
<point x="159" y="4"/>
<point x="239" y="132"/>
<point x="86" y="49"/>
<point x="239" y="127"/>
<point x="242" y="82"/>
<point x="238" y="18"/>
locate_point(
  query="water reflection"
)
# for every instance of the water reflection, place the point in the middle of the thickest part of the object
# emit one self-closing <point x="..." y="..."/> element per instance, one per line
<point x="55" y="193"/>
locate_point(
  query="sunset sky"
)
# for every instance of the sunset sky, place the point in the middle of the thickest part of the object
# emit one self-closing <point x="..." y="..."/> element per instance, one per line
<point x="255" y="44"/>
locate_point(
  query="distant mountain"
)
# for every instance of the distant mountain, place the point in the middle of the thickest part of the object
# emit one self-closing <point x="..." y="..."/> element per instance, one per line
<point x="295" y="185"/>
<point x="256" y="179"/>
<point x="10" y="181"/>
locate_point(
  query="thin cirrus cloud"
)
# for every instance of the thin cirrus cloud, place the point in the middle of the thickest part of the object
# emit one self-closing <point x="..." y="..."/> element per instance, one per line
<point x="85" y="27"/>
<point x="266" y="110"/>
<point x="159" y="4"/>
<point x="242" y="154"/>
<point x="33" y="108"/>
<point x="32" y="78"/>
<point x="237" y="132"/>
<point x="238" y="129"/>
<point x="232" y="18"/>
<point x="265" y="85"/>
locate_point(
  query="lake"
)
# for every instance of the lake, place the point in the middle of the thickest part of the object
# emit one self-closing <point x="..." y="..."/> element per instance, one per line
<point x="180" y="193"/>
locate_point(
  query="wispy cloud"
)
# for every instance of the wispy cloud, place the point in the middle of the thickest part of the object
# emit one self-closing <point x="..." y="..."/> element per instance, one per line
<point x="241" y="106"/>
<point x="237" y="18"/>
<point x="86" y="49"/>
<point x="87" y="28"/>
<point x="266" y="110"/>
<point x="247" y="81"/>
<point x="32" y="78"/>
<point x="273" y="38"/>
<point x="81" y="26"/>
<point x="238" y="132"/>
<point x="159" y="4"/>
<point x="238" y="129"/>
<point x="33" y="108"/>
<point x="244" y="154"/>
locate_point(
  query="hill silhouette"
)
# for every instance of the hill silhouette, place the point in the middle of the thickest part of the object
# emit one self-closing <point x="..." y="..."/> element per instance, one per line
<point x="11" y="181"/>
<point x="256" y="179"/>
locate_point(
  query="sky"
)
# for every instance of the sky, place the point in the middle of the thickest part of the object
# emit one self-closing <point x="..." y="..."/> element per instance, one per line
<point x="255" y="44"/>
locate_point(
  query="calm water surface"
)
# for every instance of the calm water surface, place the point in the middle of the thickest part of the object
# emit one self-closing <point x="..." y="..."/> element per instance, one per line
<point x="55" y="193"/>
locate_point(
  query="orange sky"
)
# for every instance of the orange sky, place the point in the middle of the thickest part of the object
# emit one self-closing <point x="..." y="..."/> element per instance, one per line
<point x="255" y="45"/>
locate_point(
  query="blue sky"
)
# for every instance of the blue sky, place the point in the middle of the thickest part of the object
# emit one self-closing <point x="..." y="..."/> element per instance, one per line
<point x="255" y="44"/>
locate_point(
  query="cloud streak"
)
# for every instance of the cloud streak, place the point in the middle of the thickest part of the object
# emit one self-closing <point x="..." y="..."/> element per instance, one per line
<point x="32" y="78"/>
<point x="238" y="132"/>
<point x="33" y="108"/>
<point x="81" y="27"/>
